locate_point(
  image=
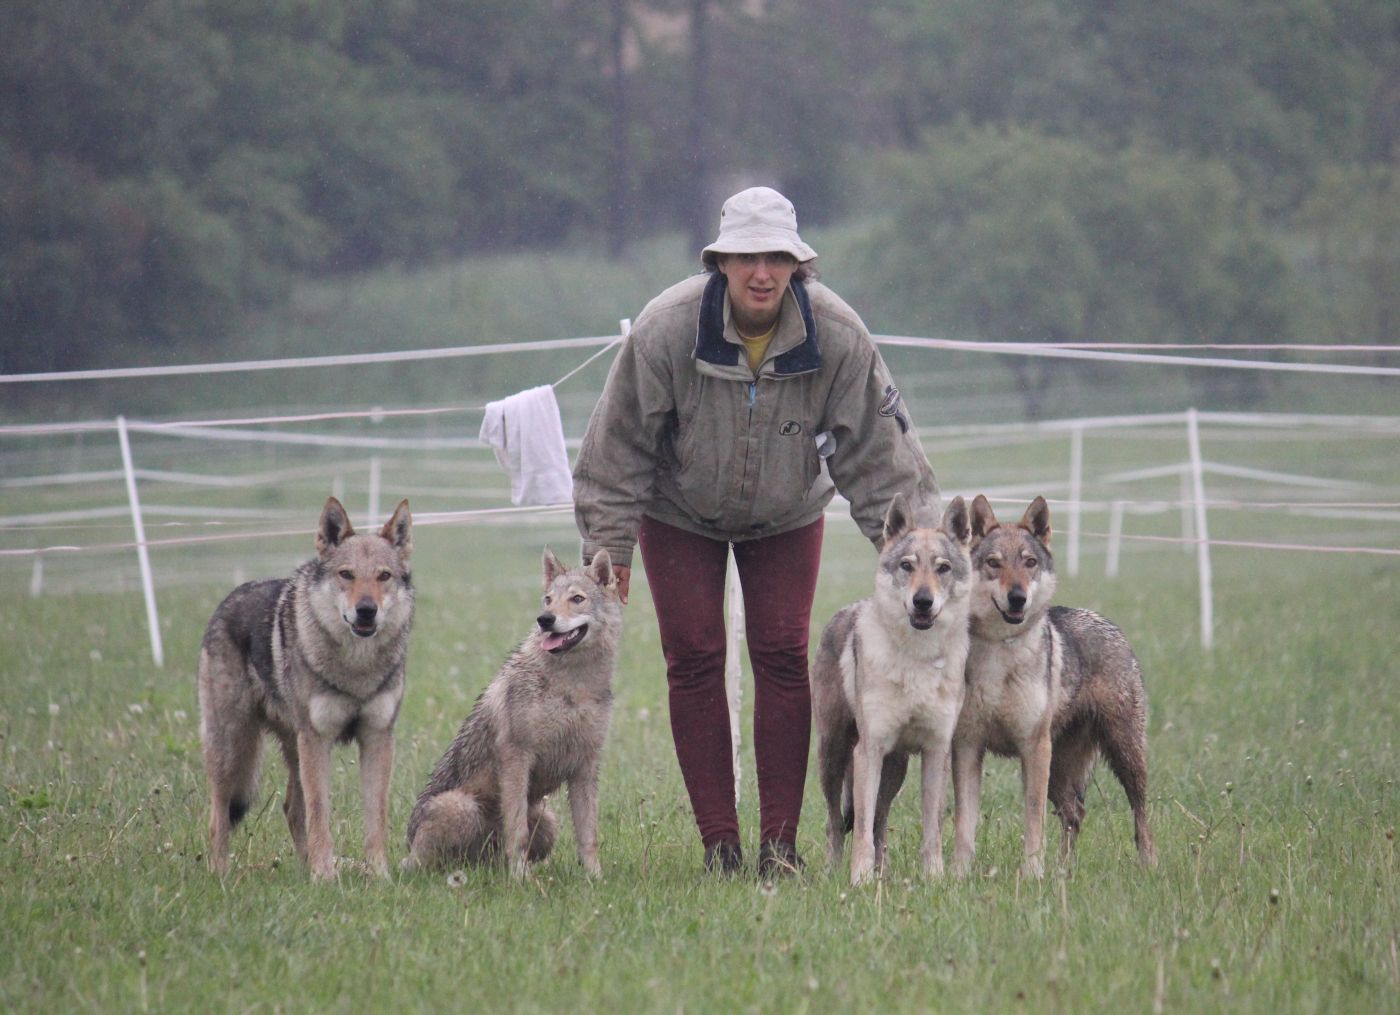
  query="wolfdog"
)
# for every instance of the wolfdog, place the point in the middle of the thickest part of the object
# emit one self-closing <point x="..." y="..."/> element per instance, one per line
<point x="1050" y="685"/>
<point x="540" y="723"/>
<point x="317" y="658"/>
<point x="888" y="682"/>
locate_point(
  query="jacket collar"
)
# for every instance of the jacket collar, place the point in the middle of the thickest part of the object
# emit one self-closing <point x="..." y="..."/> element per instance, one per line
<point x="713" y="348"/>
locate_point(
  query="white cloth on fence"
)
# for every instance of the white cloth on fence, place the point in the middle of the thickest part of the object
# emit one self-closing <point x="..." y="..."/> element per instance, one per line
<point x="527" y="435"/>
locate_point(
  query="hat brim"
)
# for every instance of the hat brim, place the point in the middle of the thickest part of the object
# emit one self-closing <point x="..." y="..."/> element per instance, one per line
<point x="758" y="241"/>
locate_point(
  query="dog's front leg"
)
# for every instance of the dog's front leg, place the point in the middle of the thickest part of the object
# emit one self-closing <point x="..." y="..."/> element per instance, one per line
<point x="933" y="771"/>
<point x="515" y="806"/>
<point x="967" y="804"/>
<point x="376" y="767"/>
<point x="314" y="754"/>
<point x="1035" y="780"/>
<point x="865" y="786"/>
<point x="583" y="807"/>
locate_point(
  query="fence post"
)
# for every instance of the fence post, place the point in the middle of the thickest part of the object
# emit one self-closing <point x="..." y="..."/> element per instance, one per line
<point x="733" y="668"/>
<point x="376" y="416"/>
<point x="1188" y="507"/>
<point x="1076" y="489"/>
<point x="1198" y="494"/>
<point x="36" y="577"/>
<point x="1115" y="539"/>
<point x="142" y="554"/>
<point x="373" y="513"/>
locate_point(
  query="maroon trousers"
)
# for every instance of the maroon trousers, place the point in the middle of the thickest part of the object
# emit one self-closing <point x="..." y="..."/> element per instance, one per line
<point x="778" y="575"/>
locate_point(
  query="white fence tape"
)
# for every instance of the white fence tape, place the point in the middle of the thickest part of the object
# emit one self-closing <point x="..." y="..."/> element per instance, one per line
<point x="1193" y="502"/>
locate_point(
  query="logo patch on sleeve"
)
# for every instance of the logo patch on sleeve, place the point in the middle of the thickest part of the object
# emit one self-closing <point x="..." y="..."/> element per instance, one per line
<point x="790" y="427"/>
<point x="889" y="406"/>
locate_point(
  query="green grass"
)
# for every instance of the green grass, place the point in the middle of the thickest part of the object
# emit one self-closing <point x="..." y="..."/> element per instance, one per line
<point x="1273" y="758"/>
<point x="1273" y="766"/>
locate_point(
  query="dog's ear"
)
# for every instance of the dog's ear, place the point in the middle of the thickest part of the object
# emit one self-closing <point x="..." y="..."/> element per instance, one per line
<point x="897" y="519"/>
<point x="1036" y="520"/>
<point x="398" y="530"/>
<point x="600" y="568"/>
<point x="553" y="566"/>
<point x="955" y="521"/>
<point x="334" y="527"/>
<point x="983" y="521"/>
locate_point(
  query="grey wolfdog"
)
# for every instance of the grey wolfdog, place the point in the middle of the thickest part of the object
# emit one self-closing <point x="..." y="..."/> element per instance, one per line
<point x="888" y="682"/>
<point x="317" y="658"/>
<point x="1050" y="685"/>
<point x="540" y="723"/>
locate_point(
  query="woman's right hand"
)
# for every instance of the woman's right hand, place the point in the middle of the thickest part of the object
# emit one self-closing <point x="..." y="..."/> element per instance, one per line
<point x="623" y="577"/>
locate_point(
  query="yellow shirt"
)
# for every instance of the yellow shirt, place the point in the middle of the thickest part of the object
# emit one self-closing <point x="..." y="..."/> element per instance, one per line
<point x="757" y="346"/>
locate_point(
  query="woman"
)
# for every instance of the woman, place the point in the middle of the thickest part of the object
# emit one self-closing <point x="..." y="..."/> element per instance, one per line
<point x="732" y="389"/>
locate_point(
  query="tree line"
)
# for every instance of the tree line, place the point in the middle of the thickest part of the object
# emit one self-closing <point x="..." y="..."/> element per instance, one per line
<point x="1205" y="170"/>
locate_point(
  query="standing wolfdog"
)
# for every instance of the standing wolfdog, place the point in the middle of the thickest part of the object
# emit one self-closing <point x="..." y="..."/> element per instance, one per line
<point x="540" y="723"/>
<point x="317" y="658"/>
<point x="1050" y="685"/>
<point x="888" y="682"/>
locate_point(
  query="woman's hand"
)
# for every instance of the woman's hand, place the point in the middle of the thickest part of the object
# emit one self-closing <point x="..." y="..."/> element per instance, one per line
<point x="623" y="577"/>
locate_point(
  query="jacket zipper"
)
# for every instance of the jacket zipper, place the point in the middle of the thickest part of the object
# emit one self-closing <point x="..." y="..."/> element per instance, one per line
<point x="748" y="436"/>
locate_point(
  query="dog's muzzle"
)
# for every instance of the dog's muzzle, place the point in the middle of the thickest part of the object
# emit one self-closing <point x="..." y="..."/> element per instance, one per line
<point x="1015" y="610"/>
<point x="554" y="642"/>
<point x="366" y="621"/>
<point x="924" y="613"/>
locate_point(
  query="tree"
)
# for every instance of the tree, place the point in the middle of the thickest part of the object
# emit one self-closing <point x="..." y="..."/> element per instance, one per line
<point x="1009" y="235"/>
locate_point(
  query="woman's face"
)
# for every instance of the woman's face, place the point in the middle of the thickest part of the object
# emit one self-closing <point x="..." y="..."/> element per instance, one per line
<point x="757" y="283"/>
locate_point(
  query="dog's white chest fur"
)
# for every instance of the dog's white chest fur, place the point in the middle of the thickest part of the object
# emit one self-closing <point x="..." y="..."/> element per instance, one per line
<point x="909" y="688"/>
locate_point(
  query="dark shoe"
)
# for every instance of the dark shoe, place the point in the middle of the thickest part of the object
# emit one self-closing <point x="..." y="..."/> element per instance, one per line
<point x="777" y="858"/>
<point x="724" y="858"/>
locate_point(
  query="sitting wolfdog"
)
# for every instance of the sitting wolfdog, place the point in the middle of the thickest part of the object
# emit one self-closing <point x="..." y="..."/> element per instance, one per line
<point x="888" y="682"/>
<point x="540" y="723"/>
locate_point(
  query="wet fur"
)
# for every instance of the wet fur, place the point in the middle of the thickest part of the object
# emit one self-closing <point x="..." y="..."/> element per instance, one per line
<point x="1049" y="685"/>
<point x="888" y="682"/>
<point x="284" y="656"/>
<point x="539" y="724"/>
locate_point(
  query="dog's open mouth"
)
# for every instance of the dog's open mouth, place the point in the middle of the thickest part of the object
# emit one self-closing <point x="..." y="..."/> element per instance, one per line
<point x="368" y="630"/>
<point x="1010" y="616"/>
<point x="558" y="644"/>
<point x="922" y="620"/>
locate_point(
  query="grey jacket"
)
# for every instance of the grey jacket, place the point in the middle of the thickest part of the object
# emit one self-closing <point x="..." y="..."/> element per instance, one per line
<point x="687" y="434"/>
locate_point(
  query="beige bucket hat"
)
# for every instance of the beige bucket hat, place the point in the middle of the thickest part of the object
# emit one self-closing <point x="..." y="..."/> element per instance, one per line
<point x="755" y="221"/>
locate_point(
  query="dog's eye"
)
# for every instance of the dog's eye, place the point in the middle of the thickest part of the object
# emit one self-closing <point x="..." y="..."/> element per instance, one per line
<point x="385" y="575"/>
<point x="906" y="566"/>
<point x="348" y="575"/>
<point x="548" y="600"/>
<point x="944" y="567"/>
<point x="576" y="599"/>
<point x="1031" y="563"/>
<point x="993" y="564"/>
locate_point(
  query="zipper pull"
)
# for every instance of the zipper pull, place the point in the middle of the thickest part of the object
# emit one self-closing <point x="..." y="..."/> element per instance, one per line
<point x="753" y="392"/>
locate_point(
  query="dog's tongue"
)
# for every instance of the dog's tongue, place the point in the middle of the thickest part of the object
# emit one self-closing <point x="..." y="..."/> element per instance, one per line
<point x="552" y="641"/>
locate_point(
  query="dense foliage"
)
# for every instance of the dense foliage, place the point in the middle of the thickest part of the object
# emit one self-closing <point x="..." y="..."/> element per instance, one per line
<point x="1057" y="168"/>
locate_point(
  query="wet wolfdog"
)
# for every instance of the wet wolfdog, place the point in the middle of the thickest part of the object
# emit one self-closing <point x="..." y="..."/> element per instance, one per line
<point x="1050" y="685"/>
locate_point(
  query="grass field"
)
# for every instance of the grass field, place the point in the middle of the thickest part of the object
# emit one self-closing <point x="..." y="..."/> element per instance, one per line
<point x="1273" y="757"/>
<point x="1273" y="799"/>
